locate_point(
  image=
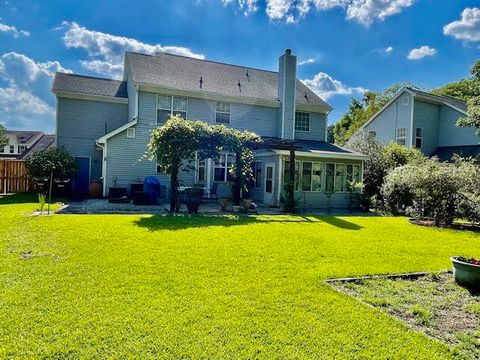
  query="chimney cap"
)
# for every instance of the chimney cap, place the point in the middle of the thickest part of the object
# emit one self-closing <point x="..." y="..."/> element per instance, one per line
<point x="288" y="51"/>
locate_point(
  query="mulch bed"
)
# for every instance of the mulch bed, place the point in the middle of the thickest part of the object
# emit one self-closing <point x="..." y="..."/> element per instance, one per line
<point x="454" y="226"/>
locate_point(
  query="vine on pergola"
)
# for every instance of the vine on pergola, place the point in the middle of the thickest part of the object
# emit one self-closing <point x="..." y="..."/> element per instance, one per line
<point x="177" y="141"/>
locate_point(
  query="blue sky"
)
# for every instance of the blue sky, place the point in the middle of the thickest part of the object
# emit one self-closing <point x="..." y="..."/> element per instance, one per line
<point x="343" y="46"/>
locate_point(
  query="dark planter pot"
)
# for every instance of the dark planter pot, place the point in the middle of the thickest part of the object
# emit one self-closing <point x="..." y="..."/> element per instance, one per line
<point x="466" y="274"/>
<point x="95" y="190"/>
<point x="117" y="192"/>
<point x="192" y="205"/>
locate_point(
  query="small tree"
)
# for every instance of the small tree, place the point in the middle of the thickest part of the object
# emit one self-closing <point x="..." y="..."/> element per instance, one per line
<point x="473" y="102"/>
<point x="175" y="143"/>
<point x="3" y="137"/>
<point x="53" y="161"/>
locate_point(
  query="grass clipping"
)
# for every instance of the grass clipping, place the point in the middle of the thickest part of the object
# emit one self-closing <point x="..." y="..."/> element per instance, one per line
<point x="433" y="304"/>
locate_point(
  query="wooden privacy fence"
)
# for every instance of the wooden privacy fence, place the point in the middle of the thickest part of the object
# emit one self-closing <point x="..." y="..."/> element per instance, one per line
<point x="14" y="177"/>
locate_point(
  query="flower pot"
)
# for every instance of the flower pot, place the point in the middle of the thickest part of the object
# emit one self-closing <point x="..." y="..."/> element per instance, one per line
<point x="95" y="190"/>
<point x="466" y="274"/>
<point x="192" y="205"/>
<point x="247" y="203"/>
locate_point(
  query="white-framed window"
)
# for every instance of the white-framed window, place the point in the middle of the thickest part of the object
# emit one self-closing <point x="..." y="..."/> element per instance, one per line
<point x="418" y="138"/>
<point x="201" y="170"/>
<point x="222" y="113"/>
<point x="308" y="175"/>
<point x="2" y="149"/>
<point x="405" y="100"/>
<point x="401" y="136"/>
<point x="302" y="121"/>
<point x="286" y="174"/>
<point x="256" y="181"/>
<point x="334" y="178"/>
<point x="170" y="105"/>
<point x="21" y="148"/>
<point x="12" y="149"/>
<point x="131" y="133"/>
<point x="222" y="166"/>
<point x="353" y="174"/>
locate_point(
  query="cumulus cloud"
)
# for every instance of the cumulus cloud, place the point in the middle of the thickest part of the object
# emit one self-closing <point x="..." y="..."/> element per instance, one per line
<point x="421" y="52"/>
<point x="467" y="28"/>
<point x="26" y="101"/>
<point x="306" y="62"/>
<point x="247" y="6"/>
<point x="364" y="12"/>
<point x="325" y="86"/>
<point x="12" y="30"/>
<point x="106" y="51"/>
<point x="389" y="50"/>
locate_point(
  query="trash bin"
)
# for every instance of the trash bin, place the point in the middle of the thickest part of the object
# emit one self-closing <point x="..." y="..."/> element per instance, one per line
<point x="151" y="186"/>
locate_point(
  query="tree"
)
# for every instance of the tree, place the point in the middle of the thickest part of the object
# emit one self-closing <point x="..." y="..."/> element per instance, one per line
<point x="361" y="110"/>
<point x="52" y="161"/>
<point x="3" y="137"/>
<point x="176" y="143"/>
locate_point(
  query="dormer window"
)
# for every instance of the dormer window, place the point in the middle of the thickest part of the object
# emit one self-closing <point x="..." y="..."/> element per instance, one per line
<point x="222" y="113"/>
<point x="302" y="121"/>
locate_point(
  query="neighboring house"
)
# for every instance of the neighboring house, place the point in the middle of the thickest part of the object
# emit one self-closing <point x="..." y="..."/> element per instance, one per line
<point x="22" y="143"/>
<point x="424" y="121"/>
<point x="106" y="124"/>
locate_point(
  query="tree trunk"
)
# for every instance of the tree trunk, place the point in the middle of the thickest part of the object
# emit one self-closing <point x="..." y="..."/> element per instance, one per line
<point x="237" y="183"/>
<point x="174" y="190"/>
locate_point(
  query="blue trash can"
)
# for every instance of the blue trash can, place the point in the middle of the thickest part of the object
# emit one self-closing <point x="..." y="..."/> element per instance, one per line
<point x="152" y="187"/>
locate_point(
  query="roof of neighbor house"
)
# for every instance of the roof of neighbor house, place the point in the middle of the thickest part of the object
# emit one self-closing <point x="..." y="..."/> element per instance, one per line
<point x="24" y="137"/>
<point x="45" y="142"/>
<point x="211" y="77"/>
<point x="89" y="85"/>
<point x="445" y="153"/>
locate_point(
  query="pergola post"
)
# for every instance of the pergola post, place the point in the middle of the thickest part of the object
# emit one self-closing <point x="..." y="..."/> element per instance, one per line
<point x="291" y="186"/>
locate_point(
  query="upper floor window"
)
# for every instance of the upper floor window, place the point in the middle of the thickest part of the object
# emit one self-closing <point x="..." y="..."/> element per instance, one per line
<point x="302" y="121"/>
<point x="2" y="149"/>
<point x="170" y="105"/>
<point x="418" y="138"/>
<point x="405" y="100"/>
<point x="401" y="136"/>
<point x="21" y="148"/>
<point x="12" y="149"/>
<point x="222" y="113"/>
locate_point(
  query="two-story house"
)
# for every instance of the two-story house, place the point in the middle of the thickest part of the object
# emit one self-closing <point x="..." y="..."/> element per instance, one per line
<point x="22" y="143"/>
<point x="106" y="124"/>
<point x="425" y="121"/>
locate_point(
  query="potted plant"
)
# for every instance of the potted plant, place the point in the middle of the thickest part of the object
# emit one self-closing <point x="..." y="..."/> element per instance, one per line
<point x="466" y="271"/>
<point x="192" y="199"/>
<point x="224" y="203"/>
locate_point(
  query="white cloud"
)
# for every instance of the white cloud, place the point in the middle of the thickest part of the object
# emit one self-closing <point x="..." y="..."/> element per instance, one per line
<point x="9" y="29"/>
<point x="325" y="86"/>
<point x="421" y="52"/>
<point x="26" y="100"/>
<point x="389" y="50"/>
<point x="467" y="28"/>
<point x="106" y="50"/>
<point x="247" y="6"/>
<point x="364" y="12"/>
<point x="306" y="62"/>
<point x="103" y="67"/>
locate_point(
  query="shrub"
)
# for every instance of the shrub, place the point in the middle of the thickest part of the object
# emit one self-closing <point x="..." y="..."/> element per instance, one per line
<point x="42" y="163"/>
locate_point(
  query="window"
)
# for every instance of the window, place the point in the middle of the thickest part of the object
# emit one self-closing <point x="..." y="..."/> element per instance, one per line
<point x="222" y="166"/>
<point x="222" y="113"/>
<point x="286" y="174"/>
<point x="339" y="177"/>
<point x="418" y="138"/>
<point x="2" y="149"/>
<point x="256" y="182"/>
<point x="401" y="136"/>
<point x="12" y="149"/>
<point x="311" y="175"/>
<point x="201" y="170"/>
<point x="21" y="148"/>
<point x="329" y="177"/>
<point x="158" y="169"/>
<point x="405" y="100"/>
<point x="306" y="176"/>
<point x="302" y="121"/>
<point x="317" y="177"/>
<point x="170" y="105"/>
<point x="131" y="133"/>
<point x="353" y="175"/>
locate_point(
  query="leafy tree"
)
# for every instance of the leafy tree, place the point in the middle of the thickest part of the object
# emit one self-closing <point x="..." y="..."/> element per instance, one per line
<point x="41" y="164"/>
<point x="3" y="137"/>
<point x="360" y="110"/>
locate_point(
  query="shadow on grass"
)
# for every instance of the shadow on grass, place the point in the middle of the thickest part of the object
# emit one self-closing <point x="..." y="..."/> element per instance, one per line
<point x="180" y="222"/>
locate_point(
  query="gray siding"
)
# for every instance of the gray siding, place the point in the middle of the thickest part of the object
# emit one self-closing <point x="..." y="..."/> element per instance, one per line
<point x="452" y="135"/>
<point x="396" y="115"/>
<point x="317" y="128"/>
<point x="426" y="116"/>
<point x="81" y="122"/>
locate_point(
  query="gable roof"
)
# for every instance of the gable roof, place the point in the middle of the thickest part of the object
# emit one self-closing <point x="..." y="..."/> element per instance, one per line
<point x="89" y="85"/>
<point x="45" y="142"/>
<point x="454" y="103"/>
<point x="184" y="73"/>
<point x="24" y="137"/>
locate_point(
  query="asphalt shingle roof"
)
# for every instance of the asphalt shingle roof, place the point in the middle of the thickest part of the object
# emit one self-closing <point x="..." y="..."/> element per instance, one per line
<point x="89" y="85"/>
<point x="43" y="143"/>
<point x="184" y="73"/>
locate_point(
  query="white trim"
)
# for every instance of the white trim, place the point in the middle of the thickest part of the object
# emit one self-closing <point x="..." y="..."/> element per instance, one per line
<point x="107" y="136"/>
<point x="80" y="96"/>
<point x="272" y="201"/>
<point x="323" y="154"/>
<point x="295" y="122"/>
<point x="412" y="102"/>
<point x="132" y="134"/>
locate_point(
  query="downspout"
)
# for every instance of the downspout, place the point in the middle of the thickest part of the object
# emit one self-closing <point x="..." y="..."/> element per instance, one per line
<point x="104" y="166"/>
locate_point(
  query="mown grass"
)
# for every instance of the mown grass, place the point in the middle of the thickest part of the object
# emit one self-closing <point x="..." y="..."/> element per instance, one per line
<point x="118" y="286"/>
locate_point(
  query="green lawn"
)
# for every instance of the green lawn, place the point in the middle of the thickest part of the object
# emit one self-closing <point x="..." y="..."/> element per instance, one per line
<point x="119" y="286"/>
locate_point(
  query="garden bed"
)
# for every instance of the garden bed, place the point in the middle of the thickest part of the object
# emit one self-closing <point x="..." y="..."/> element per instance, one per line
<point x="433" y="304"/>
<point x="454" y="226"/>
